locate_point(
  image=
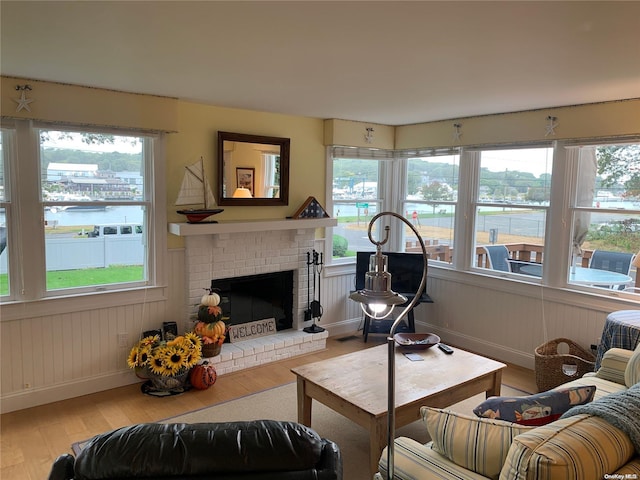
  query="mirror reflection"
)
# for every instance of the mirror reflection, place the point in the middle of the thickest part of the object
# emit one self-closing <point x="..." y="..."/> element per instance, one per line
<point x="253" y="169"/>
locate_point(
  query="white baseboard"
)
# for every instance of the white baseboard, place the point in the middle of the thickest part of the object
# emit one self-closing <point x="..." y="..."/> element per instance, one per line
<point x="344" y="327"/>
<point x="482" y="347"/>
<point x="41" y="396"/>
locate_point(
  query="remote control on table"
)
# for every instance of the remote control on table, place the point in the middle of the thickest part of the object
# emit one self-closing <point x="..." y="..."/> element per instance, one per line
<point x="445" y="348"/>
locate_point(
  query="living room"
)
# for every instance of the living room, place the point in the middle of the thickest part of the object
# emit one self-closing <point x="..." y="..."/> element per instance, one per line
<point x="59" y="348"/>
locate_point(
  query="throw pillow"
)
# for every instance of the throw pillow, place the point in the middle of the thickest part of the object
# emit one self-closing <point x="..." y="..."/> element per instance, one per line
<point x="477" y="444"/>
<point x="538" y="409"/>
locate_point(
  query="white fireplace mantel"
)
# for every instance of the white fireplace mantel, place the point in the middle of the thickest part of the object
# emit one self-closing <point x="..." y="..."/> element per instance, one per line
<point x="244" y="226"/>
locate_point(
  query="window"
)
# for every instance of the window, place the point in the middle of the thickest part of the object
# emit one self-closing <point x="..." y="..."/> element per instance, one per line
<point x="358" y="193"/>
<point x="501" y="209"/>
<point x="5" y="207"/>
<point x="93" y="192"/>
<point x="605" y="215"/>
<point x="430" y="202"/>
<point x="514" y="190"/>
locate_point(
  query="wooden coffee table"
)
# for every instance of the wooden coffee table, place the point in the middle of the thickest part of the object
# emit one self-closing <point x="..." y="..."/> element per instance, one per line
<point x="355" y="385"/>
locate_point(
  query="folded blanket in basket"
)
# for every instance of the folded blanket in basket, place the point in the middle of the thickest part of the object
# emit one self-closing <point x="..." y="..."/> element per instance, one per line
<point x="620" y="409"/>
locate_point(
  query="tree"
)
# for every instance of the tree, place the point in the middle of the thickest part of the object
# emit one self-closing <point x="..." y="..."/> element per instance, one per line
<point x="620" y="165"/>
<point x="436" y="191"/>
<point x="537" y="194"/>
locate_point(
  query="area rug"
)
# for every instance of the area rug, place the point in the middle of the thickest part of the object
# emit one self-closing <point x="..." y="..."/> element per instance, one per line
<point x="279" y="403"/>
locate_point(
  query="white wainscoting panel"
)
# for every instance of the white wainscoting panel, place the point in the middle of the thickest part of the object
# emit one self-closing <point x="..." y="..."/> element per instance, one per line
<point x="73" y="351"/>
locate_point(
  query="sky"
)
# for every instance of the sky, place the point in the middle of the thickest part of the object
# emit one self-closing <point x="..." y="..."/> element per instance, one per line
<point x="120" y="145"/>
<point x="533" y="160"/>
<point x="536" y="161"/>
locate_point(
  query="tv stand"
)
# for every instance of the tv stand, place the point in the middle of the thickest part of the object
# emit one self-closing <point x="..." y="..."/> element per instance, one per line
<point x="408" y="324"/>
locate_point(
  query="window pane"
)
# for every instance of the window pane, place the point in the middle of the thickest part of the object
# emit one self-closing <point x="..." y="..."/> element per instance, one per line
<point x="432" y="192"/>
<point x="4" y="255"/>
<point x="514" y="191"/>
<point x="84" y="247"/>
<point x="4" y="251"/>
<point x="3" y="152"/>
<point x="355" y="201"/>
<point x="606" y="222"/>
<point x="93" y="190"/>
<point x="90" y="167"/>
<point x="609" y="177"/>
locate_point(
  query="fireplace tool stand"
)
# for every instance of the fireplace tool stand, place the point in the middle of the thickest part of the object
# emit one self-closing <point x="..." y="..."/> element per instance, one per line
<point x="314" y="309"/>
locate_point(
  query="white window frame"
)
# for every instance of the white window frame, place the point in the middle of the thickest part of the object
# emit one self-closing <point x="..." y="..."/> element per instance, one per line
<point x="474" y="172"/>
<point x="557" y="231"/>
<point x="388" y="175"/>
<point x="403" y="165"/>
<point x="27" y="259"/>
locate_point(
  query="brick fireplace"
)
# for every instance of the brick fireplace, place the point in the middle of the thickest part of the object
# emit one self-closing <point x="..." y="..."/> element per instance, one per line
<point x="239" y="249"/>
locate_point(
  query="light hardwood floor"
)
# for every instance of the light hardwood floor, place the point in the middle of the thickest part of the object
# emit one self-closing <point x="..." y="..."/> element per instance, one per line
<point x="31" y="439"/>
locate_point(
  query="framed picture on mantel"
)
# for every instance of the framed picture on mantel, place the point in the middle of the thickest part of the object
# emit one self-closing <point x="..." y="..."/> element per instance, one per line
<point x="246" y="178"/>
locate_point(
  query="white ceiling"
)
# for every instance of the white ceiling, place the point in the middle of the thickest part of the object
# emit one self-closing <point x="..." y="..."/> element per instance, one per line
<point x="388" y="62"/>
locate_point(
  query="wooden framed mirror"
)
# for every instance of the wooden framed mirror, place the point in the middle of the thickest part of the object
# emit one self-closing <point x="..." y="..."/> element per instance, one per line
<point x="252" y="169"/>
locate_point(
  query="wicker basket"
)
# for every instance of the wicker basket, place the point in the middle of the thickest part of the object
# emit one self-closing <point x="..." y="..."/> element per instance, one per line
<point x="211" y="350"/>
<point x="167" y="383"/>
<point x="553" y="368"/>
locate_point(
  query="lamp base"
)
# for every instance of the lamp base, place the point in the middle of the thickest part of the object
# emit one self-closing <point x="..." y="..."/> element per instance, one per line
<point x="313" y="329"/>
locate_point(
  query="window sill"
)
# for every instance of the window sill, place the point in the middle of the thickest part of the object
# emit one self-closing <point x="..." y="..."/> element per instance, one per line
<point x="18" y="310"/>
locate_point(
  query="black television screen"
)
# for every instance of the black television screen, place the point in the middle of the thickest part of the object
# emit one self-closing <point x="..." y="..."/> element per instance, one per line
<point x="405" y="269"/>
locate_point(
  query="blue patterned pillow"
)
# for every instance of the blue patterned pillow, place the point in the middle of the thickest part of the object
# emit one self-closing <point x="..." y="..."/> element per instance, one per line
<point x="538" y="409"/>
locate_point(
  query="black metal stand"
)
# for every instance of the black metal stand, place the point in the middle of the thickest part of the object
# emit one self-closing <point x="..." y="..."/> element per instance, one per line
<point x="313" y="329"/>
<point x="314" y="309"/>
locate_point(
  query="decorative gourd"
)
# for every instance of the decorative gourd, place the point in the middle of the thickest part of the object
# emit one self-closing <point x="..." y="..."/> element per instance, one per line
<point x="210" y="299"/>
<point x="203" y="376"/>
<point x="214" y="329"/>
<point x="209" y="314"/>
<point x="199" y="328"/>
<point x="219" y="328"/>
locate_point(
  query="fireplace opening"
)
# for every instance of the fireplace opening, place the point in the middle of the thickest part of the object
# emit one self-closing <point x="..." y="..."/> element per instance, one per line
<point x="256" y="297"/>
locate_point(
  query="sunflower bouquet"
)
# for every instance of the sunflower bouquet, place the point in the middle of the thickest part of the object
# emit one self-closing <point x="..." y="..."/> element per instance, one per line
<point x="166" y="358"/>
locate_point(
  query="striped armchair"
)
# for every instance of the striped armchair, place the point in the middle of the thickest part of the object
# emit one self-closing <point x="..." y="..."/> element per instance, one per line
<point x="505" y="451"/>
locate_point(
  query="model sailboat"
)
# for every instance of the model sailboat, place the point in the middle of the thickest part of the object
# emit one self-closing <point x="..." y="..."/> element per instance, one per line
<point x="195" y="190"/>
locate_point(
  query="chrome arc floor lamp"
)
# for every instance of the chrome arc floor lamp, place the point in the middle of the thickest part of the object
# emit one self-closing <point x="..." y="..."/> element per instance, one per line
<point x="378" y="301"/>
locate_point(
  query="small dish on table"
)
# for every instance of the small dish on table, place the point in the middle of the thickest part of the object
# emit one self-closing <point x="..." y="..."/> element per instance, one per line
<point x="416" y="341"/>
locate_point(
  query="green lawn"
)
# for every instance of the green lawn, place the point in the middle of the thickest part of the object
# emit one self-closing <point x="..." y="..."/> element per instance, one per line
<point x="85" y="277"/>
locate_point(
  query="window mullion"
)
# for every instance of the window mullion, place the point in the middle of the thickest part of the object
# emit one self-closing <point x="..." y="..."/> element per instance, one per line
<point x="464" y="240"/>
<point x="29" y="219"/>
<point x="393" y="199"/>
<point x="563" y="185"/>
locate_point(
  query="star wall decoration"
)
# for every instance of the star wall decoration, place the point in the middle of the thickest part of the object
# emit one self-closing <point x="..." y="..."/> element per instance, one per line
<point x="456" y="132"/>
<point x="368" y="137"/>
<point x="551" y="126"/>
<point x="23" y="102"/>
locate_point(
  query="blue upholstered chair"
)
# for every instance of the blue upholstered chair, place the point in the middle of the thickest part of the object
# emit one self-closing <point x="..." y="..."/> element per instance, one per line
<point x="618" y="262"/>
<point x="498" y="257"/>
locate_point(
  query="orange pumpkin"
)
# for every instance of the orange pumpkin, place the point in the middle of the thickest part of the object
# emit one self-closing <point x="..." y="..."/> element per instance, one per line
<point x="202" y="376"/>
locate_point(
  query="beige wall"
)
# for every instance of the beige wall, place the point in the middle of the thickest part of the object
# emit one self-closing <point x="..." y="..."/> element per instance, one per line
<point x="608" y="119"/>
<point x="354" y="134"/>
<point x="198" y="126"/>
<point x="58" y="102"/>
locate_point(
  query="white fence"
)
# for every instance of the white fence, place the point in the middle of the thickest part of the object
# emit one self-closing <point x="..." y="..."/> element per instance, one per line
<point x="71" y="253"/>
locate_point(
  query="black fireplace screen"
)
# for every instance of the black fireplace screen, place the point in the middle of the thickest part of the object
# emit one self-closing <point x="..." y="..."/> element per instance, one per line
<point x="256" y="297"/>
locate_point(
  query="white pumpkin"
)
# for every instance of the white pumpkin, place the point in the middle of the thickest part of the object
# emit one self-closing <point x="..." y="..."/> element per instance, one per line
<point x="210" y="299"/>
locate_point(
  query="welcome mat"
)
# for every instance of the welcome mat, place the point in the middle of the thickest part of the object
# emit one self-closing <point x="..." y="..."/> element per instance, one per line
<point x="280" y="403"/>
